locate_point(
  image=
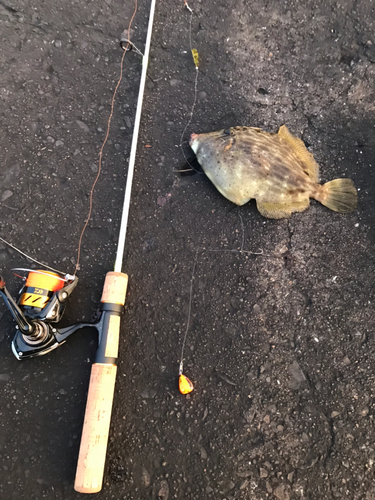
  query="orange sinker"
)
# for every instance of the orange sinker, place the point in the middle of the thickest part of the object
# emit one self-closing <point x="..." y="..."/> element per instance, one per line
<point x="185" y="385"/>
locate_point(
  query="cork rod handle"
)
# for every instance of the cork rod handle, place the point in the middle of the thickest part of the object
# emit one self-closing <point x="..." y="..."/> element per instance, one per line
<point x="91" y="460"/>
<point x="92" y="453"/>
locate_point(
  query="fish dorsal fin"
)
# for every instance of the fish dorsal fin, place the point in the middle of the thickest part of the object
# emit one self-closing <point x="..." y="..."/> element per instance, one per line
<point x="310" y="166"/>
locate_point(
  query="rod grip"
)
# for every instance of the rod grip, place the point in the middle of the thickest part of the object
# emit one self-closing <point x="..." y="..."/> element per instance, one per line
<point x="94" y="440"/>
<point x="114" y="289"/>
<point x="92" y="452"/>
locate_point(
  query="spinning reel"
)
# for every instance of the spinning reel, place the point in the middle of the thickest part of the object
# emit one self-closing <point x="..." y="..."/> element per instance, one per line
<point x="41" y="304"/>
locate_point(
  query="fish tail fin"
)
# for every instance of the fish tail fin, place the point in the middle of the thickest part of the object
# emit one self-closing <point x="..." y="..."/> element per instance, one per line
<point x="339" y="195"/>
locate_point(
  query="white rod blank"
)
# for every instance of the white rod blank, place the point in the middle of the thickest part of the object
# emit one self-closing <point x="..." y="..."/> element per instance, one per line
<point x="133" y="150"/>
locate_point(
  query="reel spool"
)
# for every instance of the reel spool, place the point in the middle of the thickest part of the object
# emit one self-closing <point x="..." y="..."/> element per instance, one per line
<point x="37" y="293"/>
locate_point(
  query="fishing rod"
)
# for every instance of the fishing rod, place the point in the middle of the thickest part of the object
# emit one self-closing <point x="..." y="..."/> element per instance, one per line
<point x="42" y="301"/>
<point x="92" y="453"/>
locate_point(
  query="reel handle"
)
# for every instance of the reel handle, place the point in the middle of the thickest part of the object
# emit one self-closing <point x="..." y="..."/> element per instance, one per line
<point x="18" y="316"/>
<point x="93" y="448"/>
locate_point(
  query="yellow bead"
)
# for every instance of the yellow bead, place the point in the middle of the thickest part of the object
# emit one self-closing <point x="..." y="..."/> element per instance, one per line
<point x="195" y="57"/>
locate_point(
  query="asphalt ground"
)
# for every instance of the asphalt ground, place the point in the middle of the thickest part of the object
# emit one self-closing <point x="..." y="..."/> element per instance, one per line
<point x="280" y="345"/>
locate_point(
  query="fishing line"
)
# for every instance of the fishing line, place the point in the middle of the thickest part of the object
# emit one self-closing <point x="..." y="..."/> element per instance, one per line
<point x="203" y="249"/>
<point x="125" y="49"/>
<point x="185" y="385"/>
<point x="195" y="55"/>
<point x="181" y="368"/>
<point x="126" y="45"/>
<point x="30" y="258"/>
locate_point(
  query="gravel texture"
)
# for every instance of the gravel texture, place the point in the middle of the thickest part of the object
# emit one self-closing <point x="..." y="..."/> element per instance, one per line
<point x="281" y="341"/>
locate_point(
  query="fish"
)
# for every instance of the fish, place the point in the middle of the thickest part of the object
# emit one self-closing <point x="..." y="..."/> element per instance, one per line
<point x="275" y="169"/>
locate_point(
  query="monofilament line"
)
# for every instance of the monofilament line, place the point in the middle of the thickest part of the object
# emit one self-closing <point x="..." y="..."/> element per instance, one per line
<point x="195" y="58"/>
<point x="189" y="313"/>
<point x="125" y="48"/>
<point x="243" y="232"/>
<point x="203" y="249"/>
<point x="192" y="108"/>
<point x="214" y="250"/>
<point x="30" y="258"/>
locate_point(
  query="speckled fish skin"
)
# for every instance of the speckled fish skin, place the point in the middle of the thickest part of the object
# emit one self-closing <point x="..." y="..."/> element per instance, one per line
<point x="275" y="169"/>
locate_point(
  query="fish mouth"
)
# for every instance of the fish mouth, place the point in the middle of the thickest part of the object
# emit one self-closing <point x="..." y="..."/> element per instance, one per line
<point x="192" y="139"/>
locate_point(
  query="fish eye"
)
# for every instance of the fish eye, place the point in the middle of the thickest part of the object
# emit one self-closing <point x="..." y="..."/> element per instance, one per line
<point x="227" y="131"/>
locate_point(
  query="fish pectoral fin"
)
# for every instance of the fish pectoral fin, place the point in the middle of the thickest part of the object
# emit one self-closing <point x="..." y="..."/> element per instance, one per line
<point x="281" y="210"/>
<point x="311" y="167"/>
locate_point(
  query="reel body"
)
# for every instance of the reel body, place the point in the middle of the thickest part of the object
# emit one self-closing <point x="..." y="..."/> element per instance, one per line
<point x="40" y="306"/>
<point x="41" y="303"/>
